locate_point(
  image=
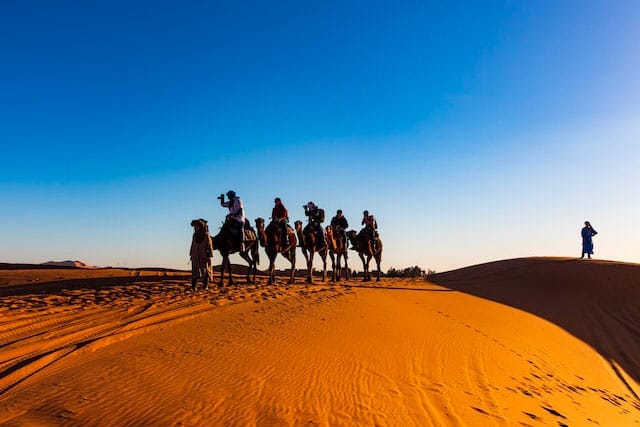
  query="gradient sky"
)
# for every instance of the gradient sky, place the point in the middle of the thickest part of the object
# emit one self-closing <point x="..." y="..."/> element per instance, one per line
<point x="474" y="131"/>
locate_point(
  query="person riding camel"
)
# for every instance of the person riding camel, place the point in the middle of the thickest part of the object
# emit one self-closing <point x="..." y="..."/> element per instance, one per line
<point x="340" y="224"/>
<point x="370" y="226"/>
<point x="235" y="219"/>
<point x="280" y="216"/>
<point x="316" y="217"/>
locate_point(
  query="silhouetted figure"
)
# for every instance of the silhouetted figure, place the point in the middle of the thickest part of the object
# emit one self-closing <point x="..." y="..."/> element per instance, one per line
<point x="235" y="218"/>
<point x="316" y="218"/>
<point x="201" y="253"/>
<point x="587" y="242"/>
<point x="340" y="225"/>
<point x="370" y="228"/>
<point x="280" y="217"/>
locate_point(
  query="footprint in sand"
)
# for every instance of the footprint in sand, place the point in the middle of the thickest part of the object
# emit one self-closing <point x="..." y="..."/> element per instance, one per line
<point x="553" y="412"/>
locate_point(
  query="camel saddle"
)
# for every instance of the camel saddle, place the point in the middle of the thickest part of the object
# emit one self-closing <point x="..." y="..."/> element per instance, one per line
<point x="249" y="234"/>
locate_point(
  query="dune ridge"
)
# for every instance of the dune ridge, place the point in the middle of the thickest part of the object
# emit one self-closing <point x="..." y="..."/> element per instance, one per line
<point x="69" y="263"/>
<point x="596" y="301"/>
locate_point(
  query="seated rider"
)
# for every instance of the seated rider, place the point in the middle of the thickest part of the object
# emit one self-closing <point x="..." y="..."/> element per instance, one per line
<point x="339" y="224"/>
<point x="235" y="218"/>
<point x="313" y="212"/>
<point x="280" y="216"/>
<point x="370" y="225"/>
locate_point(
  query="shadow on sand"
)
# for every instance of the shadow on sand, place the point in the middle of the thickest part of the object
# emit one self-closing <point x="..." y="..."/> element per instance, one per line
<point x="596" y="301"/>
<point x="395" y="288"/>
<point x="97" y="283"/>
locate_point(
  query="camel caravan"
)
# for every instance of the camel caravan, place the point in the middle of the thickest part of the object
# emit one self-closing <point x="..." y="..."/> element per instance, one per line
<point x="277" y="237"/>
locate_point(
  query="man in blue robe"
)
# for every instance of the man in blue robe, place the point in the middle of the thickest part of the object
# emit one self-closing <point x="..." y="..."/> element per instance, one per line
<point x="587" y="242"/>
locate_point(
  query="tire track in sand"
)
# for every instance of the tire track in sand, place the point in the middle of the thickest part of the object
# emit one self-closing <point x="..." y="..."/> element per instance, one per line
<point x="40" y="329"/>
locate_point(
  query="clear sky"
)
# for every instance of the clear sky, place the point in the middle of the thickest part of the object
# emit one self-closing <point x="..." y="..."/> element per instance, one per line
<point x="474" y="131"/>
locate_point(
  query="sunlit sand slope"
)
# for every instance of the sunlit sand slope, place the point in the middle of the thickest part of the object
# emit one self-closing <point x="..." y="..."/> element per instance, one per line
<point x="596" y="301"/>
<point x="398" y="353"/>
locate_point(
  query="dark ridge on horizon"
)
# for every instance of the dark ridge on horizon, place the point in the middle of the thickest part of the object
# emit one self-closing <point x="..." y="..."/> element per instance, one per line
<point x="503" y="262"/>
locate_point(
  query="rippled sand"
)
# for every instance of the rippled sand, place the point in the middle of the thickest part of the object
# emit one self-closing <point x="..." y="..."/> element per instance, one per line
<point x="519" y="342"/>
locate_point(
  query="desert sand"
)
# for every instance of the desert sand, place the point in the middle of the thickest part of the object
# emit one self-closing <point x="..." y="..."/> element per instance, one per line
<point x="527" y="342"/>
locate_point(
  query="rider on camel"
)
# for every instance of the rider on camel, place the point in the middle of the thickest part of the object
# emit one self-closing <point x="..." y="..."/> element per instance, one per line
<point x="280" y="216"/>
<point x="370" y="225"/>
<point x="235" y="218"/>
<point x="340" y="224"/>
<point x="315" y="219"/>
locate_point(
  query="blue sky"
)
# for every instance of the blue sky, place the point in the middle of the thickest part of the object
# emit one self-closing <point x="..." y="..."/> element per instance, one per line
<point x="473" y="130"/>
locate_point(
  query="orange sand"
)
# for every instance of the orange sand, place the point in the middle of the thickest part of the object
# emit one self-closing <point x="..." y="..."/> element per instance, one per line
<point x="520" y="342"/>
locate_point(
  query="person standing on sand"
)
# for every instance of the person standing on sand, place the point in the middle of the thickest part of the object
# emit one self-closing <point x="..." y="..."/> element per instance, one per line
<point x="587" y="242"/>
<point x="201" y="253"/>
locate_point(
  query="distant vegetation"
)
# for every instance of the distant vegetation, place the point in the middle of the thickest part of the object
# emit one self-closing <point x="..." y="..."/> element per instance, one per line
<point x="414" y="271"/>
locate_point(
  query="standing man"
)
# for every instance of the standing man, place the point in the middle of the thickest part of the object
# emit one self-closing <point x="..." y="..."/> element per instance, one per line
<point x="340" y="224"/>
<point x="235" y="218"/>
<point x="280" y="216"/>
<point x="587" y="234"/>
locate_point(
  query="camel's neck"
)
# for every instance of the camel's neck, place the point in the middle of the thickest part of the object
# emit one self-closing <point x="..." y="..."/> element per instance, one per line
<point x="262" y="235"/>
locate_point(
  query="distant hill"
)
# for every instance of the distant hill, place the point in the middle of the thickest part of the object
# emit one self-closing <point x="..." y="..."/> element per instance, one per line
<point x="68" y="264"/>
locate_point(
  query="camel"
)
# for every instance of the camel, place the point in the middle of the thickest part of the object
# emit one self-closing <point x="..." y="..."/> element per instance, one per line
<point x="271" y="240"/>
<point x="337" y="250"/>
<point x="226" y="243"/>
<point x="361" y="242"/>
<point x="309" y="244"/>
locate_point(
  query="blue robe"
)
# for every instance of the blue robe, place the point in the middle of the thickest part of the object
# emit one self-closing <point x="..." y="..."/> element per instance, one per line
<point x="587" y="241"/>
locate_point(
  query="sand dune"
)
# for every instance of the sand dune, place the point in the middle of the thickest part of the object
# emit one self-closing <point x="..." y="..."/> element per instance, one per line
<point x="68" y="263"/>
<point x="596" y="301"/>
<point x="520" y="342"/>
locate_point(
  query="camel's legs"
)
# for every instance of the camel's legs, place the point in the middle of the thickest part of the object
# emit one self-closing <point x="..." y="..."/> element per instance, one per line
<point x="291" y="255"/>
<point x="229" y="270"/>
<point x="347" y="272"/>
<point x="272" y="268"/>
<point x="310" y="267"/>
<point x="364" y="267"/>
<point x="324" y="265"/>
<point x="225" y="266"/>
<point x="333" y="266"/>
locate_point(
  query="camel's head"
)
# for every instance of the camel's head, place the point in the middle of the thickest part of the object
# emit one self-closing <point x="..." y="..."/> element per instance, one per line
<point x="329" y="230"/>
<point x="352" y="236"/>
<point x="298" y="225"/>
<point x="259" y="223"/>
